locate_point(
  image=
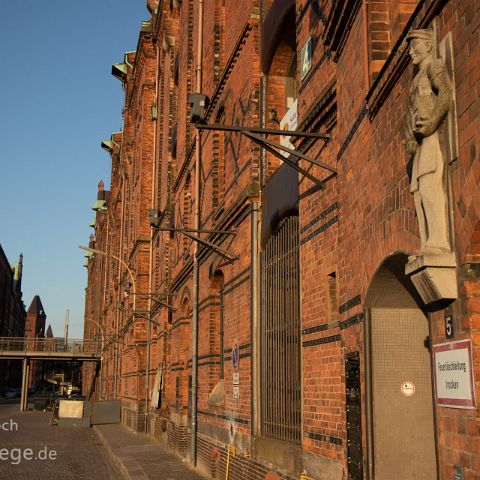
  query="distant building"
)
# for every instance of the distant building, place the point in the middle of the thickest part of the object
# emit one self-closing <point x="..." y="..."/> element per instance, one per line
<point x="35" y="328"/>
<point x="36" y="317"/>
<point x="49" y="333"/>
<point x="12" y="315"/>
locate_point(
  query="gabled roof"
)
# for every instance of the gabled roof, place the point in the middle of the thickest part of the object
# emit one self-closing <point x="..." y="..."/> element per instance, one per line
<point x="49" y="333"/>
<point x="36" y="307"/>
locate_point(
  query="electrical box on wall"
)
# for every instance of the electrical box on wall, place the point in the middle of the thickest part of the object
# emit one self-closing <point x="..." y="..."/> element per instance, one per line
<point x="198" y="103"/>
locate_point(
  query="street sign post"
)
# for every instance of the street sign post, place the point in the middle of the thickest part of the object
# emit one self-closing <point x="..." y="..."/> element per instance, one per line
<point x="235" y="356"/>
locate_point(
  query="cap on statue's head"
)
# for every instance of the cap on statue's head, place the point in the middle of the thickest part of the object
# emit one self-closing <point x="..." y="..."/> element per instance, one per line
<point x="424" y="34"/>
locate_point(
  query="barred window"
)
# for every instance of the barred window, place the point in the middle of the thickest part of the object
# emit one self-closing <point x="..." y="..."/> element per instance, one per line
<point x="280" y="337"/>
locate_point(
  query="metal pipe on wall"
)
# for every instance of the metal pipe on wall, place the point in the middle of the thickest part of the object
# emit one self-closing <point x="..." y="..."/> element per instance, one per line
<point x="195" y="245"/>
<point x="24" y="373"/>
<point x="368" y="390"/>
<point x="152" y="232"/>
<point x="25" y="387"/>
<point x="255" y="321"/>
<point x="119" y="277"/>
<point x="106" y="266"/>
<point x="256" y="406"/>
<point x="366" y="59"/>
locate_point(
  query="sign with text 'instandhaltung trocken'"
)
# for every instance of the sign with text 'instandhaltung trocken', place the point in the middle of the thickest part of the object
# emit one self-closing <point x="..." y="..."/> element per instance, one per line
<point x="454" y="380"/>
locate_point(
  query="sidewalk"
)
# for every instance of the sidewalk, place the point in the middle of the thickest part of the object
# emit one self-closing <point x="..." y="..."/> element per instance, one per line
<point x="139" y="457"/>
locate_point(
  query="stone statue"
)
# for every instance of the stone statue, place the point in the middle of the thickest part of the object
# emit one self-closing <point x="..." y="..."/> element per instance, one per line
<point x="429" y="101"/>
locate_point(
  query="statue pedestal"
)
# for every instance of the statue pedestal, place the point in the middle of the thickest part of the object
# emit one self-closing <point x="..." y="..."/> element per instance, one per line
<point x="435" y="278"/>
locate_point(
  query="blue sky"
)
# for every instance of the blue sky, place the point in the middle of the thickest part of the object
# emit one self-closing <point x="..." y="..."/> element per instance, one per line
<point x="58" y="100"/>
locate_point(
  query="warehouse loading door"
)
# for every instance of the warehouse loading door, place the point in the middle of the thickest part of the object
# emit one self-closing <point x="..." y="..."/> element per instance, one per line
<point x="401" y="386"/>
<point x="402" y="396"/>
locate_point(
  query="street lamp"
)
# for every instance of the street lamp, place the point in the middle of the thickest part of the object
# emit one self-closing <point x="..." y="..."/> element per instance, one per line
<point x="129" y="270"/>
<point x="101" y="331"/>
<point x="132" y="279"/>
<point x="144" y="315"/>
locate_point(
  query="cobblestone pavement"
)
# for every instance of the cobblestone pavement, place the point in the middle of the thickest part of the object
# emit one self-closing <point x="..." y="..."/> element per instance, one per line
<point x="140" y="457"/>
<point x="71" y="453"/>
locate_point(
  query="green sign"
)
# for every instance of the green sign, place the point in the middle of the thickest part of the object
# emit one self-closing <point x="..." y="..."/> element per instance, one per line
<point x="306" y="57"/>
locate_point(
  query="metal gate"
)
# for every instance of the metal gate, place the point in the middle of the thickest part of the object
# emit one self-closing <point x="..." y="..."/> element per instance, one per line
<point x="280" y="334"/>
<point x="354" y="416"/>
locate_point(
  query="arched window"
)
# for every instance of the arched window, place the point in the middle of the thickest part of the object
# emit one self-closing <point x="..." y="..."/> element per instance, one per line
<point x="279" y="64"/>
<point x="181" y="343"/>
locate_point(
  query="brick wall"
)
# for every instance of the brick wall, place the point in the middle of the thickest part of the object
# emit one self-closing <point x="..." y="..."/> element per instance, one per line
<point x="361" y="218"/>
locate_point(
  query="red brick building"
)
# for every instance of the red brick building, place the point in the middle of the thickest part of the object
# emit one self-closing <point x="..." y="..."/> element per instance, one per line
<point x="309" y="333"/>
<point x="12" y="316"/>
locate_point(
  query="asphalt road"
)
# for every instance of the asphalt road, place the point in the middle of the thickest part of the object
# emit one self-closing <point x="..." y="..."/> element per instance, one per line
<point x="32" y="449"/>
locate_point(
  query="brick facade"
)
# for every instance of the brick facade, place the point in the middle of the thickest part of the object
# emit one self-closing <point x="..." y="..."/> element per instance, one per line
<point x="12" y="316"/>
<point x="354" y="236"/>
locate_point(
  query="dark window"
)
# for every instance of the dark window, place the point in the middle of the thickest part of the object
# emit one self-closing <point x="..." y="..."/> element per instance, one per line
<point x="339" y="23"/>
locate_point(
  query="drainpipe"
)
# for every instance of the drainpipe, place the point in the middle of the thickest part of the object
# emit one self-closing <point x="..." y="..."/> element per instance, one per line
<point x="115" y="360"/>
<point x="263" y="103"/>
<point x="119" y="276"/>
<point x="104" y="300"/>
<point x="255" y="321"/>
<point x="368" y="389"/>
<point x="254" y="259"/>
<point x="366" y="60"/>
<point x="195" y="245"/>
<point x="152" y="232"/>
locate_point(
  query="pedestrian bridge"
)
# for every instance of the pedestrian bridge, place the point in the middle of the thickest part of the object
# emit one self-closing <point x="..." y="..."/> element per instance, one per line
<point x="49" y="349"/>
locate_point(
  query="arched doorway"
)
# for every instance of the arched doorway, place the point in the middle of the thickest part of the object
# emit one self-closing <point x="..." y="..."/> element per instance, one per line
<point x="401" y="404"/>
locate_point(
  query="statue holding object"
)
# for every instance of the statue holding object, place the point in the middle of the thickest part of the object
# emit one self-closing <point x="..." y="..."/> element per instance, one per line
<point x="428" y="104"/>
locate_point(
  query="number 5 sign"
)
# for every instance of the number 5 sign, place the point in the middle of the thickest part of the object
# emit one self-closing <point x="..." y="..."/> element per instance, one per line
<point x="449" y="326"/>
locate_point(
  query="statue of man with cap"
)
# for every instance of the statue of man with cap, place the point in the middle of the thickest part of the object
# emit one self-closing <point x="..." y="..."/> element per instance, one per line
<point x="428" y="104"/>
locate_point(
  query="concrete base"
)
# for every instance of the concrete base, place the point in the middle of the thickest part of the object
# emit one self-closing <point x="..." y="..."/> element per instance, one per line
<point x="435" y="278"/>
<point x="133" y="416"/>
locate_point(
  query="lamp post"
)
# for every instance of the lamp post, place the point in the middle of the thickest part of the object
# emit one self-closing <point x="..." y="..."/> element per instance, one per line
<point x="132" y="279"/>
<point x="129" y="270"/>
<point x="101" y="331"/>
<point x="144" y="315"/>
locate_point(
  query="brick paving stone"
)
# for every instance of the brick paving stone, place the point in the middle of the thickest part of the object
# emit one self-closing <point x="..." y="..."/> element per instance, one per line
<point x="79" y="454"/>
<point x="133" y="453"/>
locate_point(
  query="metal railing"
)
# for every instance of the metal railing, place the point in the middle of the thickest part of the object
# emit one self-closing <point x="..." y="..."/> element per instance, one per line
<point x="49" y="345"/>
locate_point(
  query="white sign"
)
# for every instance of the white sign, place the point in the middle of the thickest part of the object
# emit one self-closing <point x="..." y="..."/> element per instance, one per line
<point x="454" y="382"/>
<point x="236" y="378"/>
<point x="236" y="391"/>
<point x="70" y="409"/>
<point x="408" y="389"/>
<point x="288" y="122"/>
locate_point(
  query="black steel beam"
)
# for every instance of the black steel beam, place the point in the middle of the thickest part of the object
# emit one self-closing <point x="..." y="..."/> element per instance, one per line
<point x="297" y="153"/>
<point x="221" y="251"/>
<point x="192" y="230"/>
<point x="268" y="148"/>
<point x="239" y="129"/>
